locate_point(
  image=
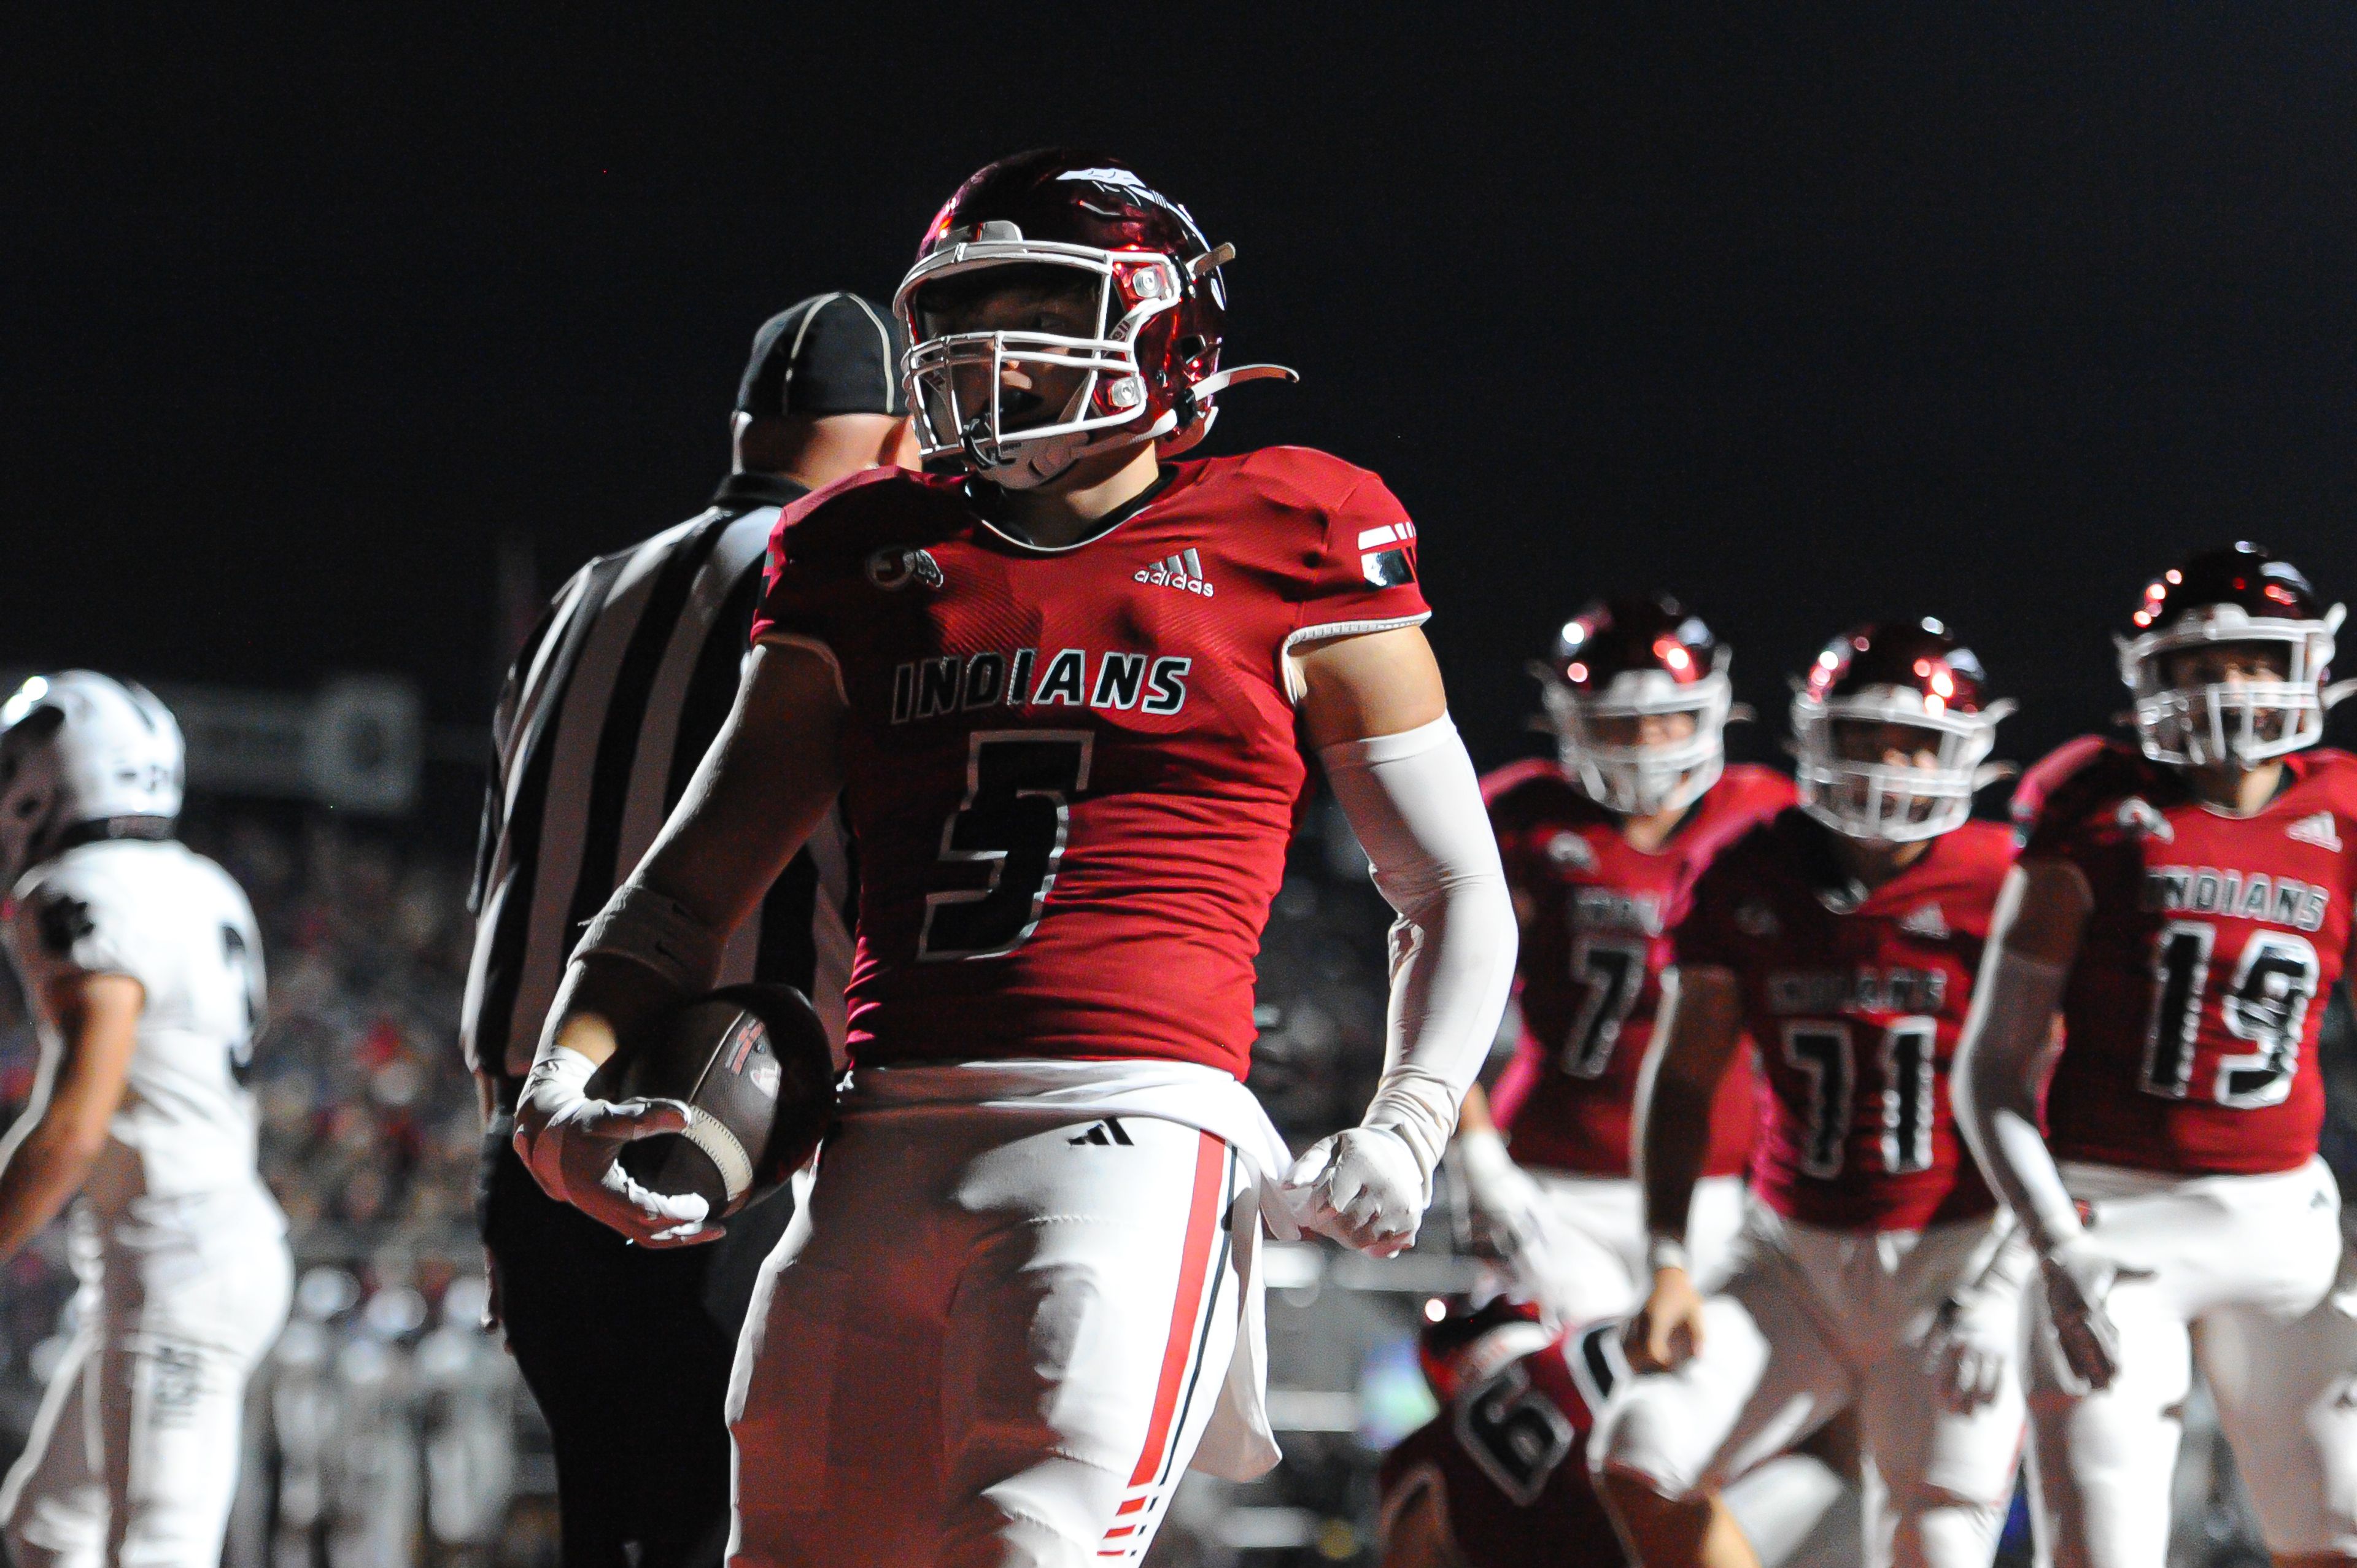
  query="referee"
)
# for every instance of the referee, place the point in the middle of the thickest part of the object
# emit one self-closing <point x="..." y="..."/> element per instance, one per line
<point x="608" y="709"/>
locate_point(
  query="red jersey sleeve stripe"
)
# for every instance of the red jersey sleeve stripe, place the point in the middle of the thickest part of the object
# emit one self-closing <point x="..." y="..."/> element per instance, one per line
<point x="1194" y="1266"/>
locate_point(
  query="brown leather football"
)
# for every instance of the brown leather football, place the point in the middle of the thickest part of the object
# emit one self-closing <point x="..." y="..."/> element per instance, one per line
<point x="752" y="1064"/>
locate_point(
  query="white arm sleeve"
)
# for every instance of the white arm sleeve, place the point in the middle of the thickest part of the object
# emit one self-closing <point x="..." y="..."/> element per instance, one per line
<point x="2000" y="1077"/>
<point x="1415" y="804"/>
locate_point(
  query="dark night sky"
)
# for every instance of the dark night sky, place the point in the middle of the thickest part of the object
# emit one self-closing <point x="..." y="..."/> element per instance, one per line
<point x="1976" y="311"/>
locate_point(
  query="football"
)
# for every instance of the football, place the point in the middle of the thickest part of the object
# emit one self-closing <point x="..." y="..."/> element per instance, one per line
<point x="752" y="1065"/>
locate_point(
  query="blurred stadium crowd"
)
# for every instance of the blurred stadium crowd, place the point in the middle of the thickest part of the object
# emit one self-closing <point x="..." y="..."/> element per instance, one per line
<point x="389" y="1429"/>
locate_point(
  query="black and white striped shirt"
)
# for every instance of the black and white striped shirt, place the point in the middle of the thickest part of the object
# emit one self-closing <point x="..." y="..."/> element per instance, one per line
<point x="608" y="708"/>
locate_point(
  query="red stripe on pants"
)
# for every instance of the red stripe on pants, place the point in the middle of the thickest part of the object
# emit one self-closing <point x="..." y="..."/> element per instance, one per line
<point x="1203" y="1224"/>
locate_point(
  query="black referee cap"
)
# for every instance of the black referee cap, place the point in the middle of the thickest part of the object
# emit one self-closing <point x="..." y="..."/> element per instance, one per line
<point x="833" y="353"/>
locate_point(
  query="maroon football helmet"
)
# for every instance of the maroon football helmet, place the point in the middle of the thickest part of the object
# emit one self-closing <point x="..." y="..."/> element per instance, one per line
<point x="1894" y="682"/>
<point x="1060" y="305"/>
<point x="1618" y="663"/>
<point x="1462" y="1343"/>
<point x="2238" y="596"/>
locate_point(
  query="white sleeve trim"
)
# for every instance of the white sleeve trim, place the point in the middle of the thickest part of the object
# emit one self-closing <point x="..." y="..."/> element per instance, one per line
<point x="1288" y="672"/>
<point x="796" y="639"/>
<point x="1415" y="804"/>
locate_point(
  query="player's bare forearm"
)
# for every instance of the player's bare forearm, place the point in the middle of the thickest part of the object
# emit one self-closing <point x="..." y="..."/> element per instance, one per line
<point x="603" y="1002"/>
<point x="45" y="1169"/>
<point x="51" y="1155"/>
<point x="1700" y="1024"/>
<point x="770" y="778"/>
<point x="771" y="775"/>
<point x="2043" y="911"/>
<point x="1370" y="684"/>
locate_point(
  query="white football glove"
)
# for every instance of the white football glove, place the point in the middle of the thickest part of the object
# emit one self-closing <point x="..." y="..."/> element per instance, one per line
<point x="1365" y="1187"/>
<point x="2078" y="1280"/>
<point x="1968" y="1352"/>
<point x="573" y="1146"/>
<point x="1508" y="1209"/>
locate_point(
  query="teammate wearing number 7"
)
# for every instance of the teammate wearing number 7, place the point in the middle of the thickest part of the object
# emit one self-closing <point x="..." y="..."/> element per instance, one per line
<point x="2183" y="901"/>
<point x="1598" y="841"/>
<point x="1873" y="1274"/>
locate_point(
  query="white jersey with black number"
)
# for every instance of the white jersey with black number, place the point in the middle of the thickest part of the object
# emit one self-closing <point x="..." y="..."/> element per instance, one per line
<point x="174" y="922"/>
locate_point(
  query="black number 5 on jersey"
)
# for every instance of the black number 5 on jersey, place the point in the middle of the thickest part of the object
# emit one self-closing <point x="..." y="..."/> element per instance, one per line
<point x="1016" y="813"/>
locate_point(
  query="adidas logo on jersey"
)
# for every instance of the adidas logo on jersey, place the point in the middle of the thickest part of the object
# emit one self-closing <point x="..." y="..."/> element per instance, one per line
<point x="1925" y="920"/>
<point x="1183" y="571"/>
<point x="2318" y="830"/>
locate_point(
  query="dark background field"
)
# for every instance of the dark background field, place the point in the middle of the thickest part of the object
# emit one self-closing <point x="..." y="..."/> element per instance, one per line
<point x="1813" y="314"/>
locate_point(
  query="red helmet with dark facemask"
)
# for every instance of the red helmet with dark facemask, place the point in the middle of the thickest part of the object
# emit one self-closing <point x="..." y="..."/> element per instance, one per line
<point x="1061" y="307"/>
<point x="1462" y="1342"/>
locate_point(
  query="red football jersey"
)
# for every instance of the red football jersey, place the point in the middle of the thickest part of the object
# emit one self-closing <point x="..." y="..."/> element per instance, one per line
<point x="1508" y="1459"/>
<point x="1855" y="1007"/>
<point x="1597" y="912"/>
<point x="2192" y="1014"/>
<point x="1072" y="772"/>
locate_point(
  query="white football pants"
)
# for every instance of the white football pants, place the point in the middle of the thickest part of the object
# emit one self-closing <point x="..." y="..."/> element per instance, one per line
<point x="995" y="1346"/>
<point x="1587" y="1262"/>
<point x="2249" y="1281"/>
<point x="1810" y="1322"/>
<point x="133" y="1458"/>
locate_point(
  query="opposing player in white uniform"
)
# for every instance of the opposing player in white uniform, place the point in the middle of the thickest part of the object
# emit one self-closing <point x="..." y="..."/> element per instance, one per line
<point x="143" y="968"/>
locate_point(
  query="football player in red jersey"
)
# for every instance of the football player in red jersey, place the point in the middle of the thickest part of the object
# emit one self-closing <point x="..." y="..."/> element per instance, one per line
<point x="1596" y="846"/>
<point x="1064" y="692"/>
<point x="1499" y="1479"/>
<point x="1873" y="1274"/>
<point x="2183" y="902"/>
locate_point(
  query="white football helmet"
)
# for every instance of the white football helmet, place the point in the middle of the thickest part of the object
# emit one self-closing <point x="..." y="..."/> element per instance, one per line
<point x="81" y="751"/>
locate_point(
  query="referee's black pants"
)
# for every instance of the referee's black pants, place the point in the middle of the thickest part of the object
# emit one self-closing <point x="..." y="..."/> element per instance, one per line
<point x="627" y="1351"/>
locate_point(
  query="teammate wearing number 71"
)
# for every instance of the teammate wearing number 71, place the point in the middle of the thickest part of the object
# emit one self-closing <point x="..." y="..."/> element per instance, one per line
<point x="1874" y="1274"/>
<point x="2184" y="902"/>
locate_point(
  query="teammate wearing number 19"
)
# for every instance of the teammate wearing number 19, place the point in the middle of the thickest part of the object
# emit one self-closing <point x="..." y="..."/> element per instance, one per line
<point x="1065" y="693"/>
<point x="1873" y="1274"/>
<point x="2184" y="902"/>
